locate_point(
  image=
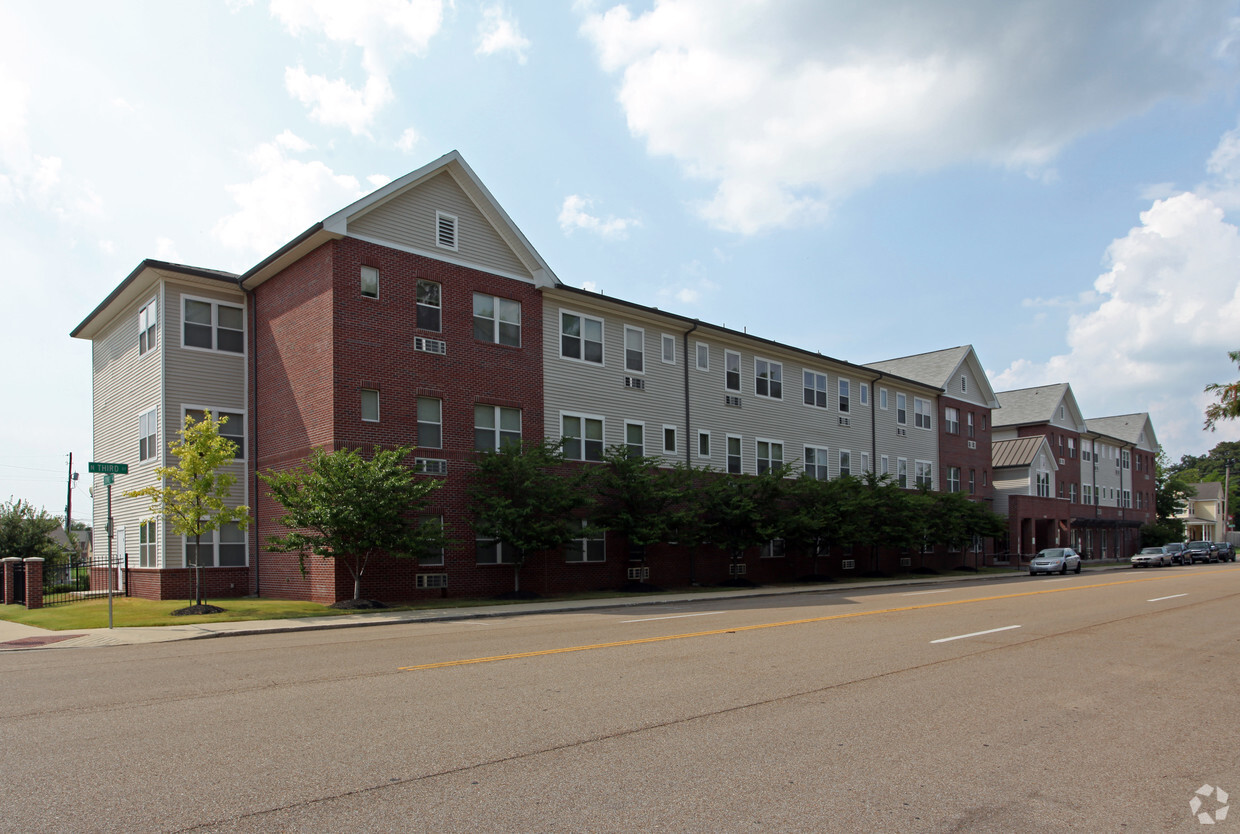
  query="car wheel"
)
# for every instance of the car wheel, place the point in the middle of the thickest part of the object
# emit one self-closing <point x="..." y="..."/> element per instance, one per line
<point x="1077" y="569"/>
<point x="1063" y="568"/>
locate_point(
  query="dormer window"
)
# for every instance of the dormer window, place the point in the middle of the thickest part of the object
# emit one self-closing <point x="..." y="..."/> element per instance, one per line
<point x="445" y="231"/>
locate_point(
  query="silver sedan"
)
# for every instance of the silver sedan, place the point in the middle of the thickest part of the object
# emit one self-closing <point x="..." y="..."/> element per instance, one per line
<point x="1055" y="560"/>
<point x="1151" y="557"/>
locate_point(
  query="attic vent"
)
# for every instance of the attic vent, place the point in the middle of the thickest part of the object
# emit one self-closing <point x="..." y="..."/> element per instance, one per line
<point x="432" y="580"/>
<point x="445" y="230"/>
<point x="430" y="345"/>
<point x="964" y="385"/>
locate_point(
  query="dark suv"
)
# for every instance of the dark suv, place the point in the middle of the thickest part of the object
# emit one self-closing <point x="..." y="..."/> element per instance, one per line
<point x="1226" y="551"/>
<point x="1200" y="552"/>
<point x="1179" y="556"/>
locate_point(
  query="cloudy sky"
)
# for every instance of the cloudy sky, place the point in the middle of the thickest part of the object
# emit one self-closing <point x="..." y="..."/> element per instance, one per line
<point x="1054" y="182"/>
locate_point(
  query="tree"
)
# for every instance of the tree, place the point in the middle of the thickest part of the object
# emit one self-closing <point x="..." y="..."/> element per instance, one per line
<point x="811" y="516"/>
<point x="636" y="497"/>
<point x="742" y="511"/>
<point x="525" y="497"/>
<point x="1228" y="405"/>
<point x="24" y="532"/>
<point x="193" y="495"/>
<point x="344" y="506"/>
<point x="1171" y="487"/>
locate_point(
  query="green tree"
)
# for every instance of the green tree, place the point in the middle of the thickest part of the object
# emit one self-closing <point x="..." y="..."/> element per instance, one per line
<point x="812" y="516"/>
<point x="1172" y="485"/>
<point x="636" y="497"/>
<point x="344" y="506"/>
<point x="24" y="532"/>
<point x="1228" y="405"/>
<point x="742" y="511"/>
<point x="526" y="496"/>
<point x="193" y="495"/>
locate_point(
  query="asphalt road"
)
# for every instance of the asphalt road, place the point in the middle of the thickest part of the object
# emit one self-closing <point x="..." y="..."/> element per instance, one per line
<point x="1099" y="702"/>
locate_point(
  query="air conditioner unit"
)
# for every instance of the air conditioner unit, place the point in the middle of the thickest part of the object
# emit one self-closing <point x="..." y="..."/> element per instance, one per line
<point x="906" y="562"/>
<point x="849" y="564"/>
<point x="432" y="580"/>
<point x="972" y="444"/>
<point x="1062" y="461"/>
<point x="635" y="382"/>
<point x="845" y="421"/>
<point x="737" y="569"/>
<point x="901" y="432"/>
<point x="431" y="466"/>
<point x="639" y="574"/>
<point x="430" y="345"/>
<point x="735" y="402"/>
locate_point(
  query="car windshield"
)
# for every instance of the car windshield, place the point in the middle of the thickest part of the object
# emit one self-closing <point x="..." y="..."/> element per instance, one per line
<point x="1198" y="545"/>
<point x="1055" y="553"/>
<point x="1152" y="550"/>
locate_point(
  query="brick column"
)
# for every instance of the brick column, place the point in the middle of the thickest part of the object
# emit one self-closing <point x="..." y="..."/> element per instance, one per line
<point x="34" y="583"/>
<point x="10" y="593"/>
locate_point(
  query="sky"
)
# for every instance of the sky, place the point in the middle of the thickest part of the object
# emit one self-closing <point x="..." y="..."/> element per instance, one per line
<point x="1056" y="183"/>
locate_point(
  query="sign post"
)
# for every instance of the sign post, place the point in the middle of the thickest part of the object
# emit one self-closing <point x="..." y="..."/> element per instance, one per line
<point x="109" y="472"/>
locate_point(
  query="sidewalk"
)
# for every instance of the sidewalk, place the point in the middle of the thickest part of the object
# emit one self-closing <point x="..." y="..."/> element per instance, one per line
<point x="19" y="637"/>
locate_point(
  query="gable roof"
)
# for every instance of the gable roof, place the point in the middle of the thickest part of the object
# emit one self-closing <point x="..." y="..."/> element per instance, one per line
<point x="939" y="367"/>
<point x="137" y="283"/>
<point x="336" y="226"/>
<point x="1208" y="491"/>
<point x="1136" y="429"/>
<point x="1019" y="451"/>
<point x="1037" y="405"/>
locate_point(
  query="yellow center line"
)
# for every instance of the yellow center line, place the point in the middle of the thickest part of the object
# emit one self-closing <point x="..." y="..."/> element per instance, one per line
<point x="736" y="629"/>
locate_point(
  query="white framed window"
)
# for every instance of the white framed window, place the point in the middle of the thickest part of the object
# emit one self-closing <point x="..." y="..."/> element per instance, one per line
<point x="497" y="320"/>
<point x="951" y="420"/>
<point x="581" y="337"/>
<point x="953" y="479"/>
<point x="702" y="351"/>
<point x="884" y="465"/>
<point x="1125" y="458"/>
<point x="731" y="370"/>
<point x="969" y="418"/>
<point x="769" y="454"/>
<point x="774" y="549"/>
<point x="845" y="462"/>
<point x="635" y="438"/>
<point x="634" y="349"/>
<point x="817" y="463"/>
<point x="496" y="426"/>
<point x="1072" y="447"/>
<point x="768" y="379"/>
<point x="882" y="398"/>
<point x="843" y="386"/>
<point x="703" y="443"/>
<point x="815" y="389"/>
<point x="494" y="552"/>
<point x="973" y="484"/>
<point x="430" y="306"/>
<point x="901" y="409"/>
<point x="148" y="434"/>
<point x="148" y="545"/>
<point x="863" y="393"/>
<point x="148" y="325"/>
<point x="587" y="548"/>
<point x="735" y="465"/>
<point x="212" y="325"/>
<point x="583" y="436"/>
<point x="1127" y="499"/>
<point x="1044" y="484"/>
<point x="446" y="231"/>
<point x="669" y="349"/>
<point x="370" y="405"/>
<point x="433" y="558"/>
<point x="369" y="281"/>
<point x="669" y="440"/>
<point x="924" y="474"/>
<point x="430" y="423"/>
<point x="222" y="548"/>
<point x="902" y="472"/>
<point x="921" y="413"/>
<point x="232" y="426"/>
<point x="865" y="462"/>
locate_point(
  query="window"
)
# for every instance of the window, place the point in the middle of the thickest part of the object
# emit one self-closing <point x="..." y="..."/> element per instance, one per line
<point x="370" y="405"/>
<point x="669" y="349"/>
<point x="983" y="422"/>
<point x="731" y="370"/>
<point x="496" y="426"/>
<point x="953" y="479"/>
<point x="882" y="398"/>
<point x="634" y="349"/>
<point x="952" y="419"/>
<point x="865" y="461"/>
<point x="430" y="306"/>
<point x="1044" y="485"/>
<point x="432" y="558"/>
<point x="148" y="321"/>
<point x="703" y="444"/>
<point x="222" y="548"/>
<point x="635" y="438"/>
<point x="1125" y="458"/>
<point x="497" y="320"/>
<point x="969" y="416"/>
<point x="430" y="423"/>
<point x="972" y="481"/>
<point x="770" y="455"/>
<point x="845" y="462"/>
<point x="494" y="552"/>
<point x="901" y="409"/>
<point x="985" y="478"/>
<point x="446" y="231"/>
<point x="370" y="282"/>
<point x="232" y="427"/>
<point x="815" y="389"/>
<point x="768" y="379"/>
<point x="924" y="478"/>
<point x="148" y="434"/>
<point x="703" y="356"/>
<point x="148" y="545"/>
<point x="1072" y="493"/>
<point x="669" y="440"/>
<point x="921" y="413"/>
<point x="734" y="454"/>
<point x="902" y="472"/>
<point x="864" y="393"/>
<point x="583" y="437"/>
<point x="589" y="548"/>
<point x="774" y="549"/>
<point x="1127" y="499"/>
<point x="884" y="465"/>
<point x="581" y="337"/>
<point x="816" y="462"/>
<point x="843" y="396"/>
<point x="210" y="325"/>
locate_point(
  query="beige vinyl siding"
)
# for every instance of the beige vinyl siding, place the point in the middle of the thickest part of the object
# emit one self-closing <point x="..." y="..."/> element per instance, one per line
<point x="408" y="221"/>
<point x="1014" y="482"/>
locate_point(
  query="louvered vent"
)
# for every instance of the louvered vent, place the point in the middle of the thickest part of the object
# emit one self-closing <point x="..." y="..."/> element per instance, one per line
<point x="445" y="230"/>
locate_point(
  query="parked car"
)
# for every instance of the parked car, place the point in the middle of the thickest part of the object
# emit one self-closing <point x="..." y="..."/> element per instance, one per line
<point x="1226" y="551"/>
<point x="1151" y="557"/>
<point x="1178" y="555"/>
<point x="1055" y="560"/>
<point x="1200" y="552"/>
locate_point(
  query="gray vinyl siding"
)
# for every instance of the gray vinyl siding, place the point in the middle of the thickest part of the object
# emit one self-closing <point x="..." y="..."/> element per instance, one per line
<point x="915" y="444"/>
<point x="1109" y="474"/>
<point x="1015" y="482"/>
<point x="408" y="221"/>
<point x="973" y="394"/>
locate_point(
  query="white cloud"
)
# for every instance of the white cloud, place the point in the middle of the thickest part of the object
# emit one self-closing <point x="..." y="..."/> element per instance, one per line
<point x="166" y="250"/>
<point x="788" y="107"/>
<point x="498" y="32"/>
<point x="408" y="140"/>
<point x="384" y="30"/>
<point x="573" y="216"/>
<point x="285" y="196"/>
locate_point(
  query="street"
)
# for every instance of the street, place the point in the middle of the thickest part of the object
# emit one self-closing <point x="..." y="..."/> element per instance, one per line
<point x="1097" y="702"/>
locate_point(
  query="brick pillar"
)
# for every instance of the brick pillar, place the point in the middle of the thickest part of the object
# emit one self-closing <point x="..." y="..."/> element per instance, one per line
<point x="10" y="595"/>
<point x="34" y="583"/>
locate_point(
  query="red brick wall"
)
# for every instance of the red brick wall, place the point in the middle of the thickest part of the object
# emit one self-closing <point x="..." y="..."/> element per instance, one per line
<point x="177" y="583"/>
<point x="954" y="448"/>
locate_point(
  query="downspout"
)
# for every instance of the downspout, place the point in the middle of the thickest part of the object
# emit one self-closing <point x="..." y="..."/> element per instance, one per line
<point x="688" y="431"/>
<point x="252" y="415"/>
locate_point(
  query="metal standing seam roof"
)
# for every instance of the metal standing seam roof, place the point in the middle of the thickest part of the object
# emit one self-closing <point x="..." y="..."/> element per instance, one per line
<point x="1020" y="451"/>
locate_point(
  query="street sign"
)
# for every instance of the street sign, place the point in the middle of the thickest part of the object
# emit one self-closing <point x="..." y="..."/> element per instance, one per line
<point x="108" y="480"/>
<point x="108" y="468"/>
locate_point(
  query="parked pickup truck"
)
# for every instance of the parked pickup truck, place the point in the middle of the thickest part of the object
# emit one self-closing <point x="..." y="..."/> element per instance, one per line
<point x="1200" y="552"/>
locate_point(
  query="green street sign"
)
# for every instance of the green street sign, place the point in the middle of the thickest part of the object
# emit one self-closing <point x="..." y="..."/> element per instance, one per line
<point x="108" y="468"/>
<point x="108" y="480"/>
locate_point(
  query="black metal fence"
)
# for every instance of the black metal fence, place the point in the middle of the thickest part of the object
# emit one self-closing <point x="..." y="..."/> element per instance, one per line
<point x="73" y="577"/>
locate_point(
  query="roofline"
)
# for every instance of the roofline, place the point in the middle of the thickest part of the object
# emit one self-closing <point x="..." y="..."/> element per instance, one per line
<point x="151" y="263"/>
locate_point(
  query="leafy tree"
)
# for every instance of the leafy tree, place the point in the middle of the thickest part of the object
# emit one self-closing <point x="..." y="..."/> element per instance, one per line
<point x="636" y="497"/>
<point x="812" y="516"/>
<point x="953" y="520"/>
<point x="882" y="514"/>
<point x="742" y="511"/>
<point x="344" y="506"/>
<point x="1228" y="405"/>
<point x="525" y="496"/>
<point x="24" y="532"/>
<point x="193" y="495"/>
<point x="1172" y="485"/>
